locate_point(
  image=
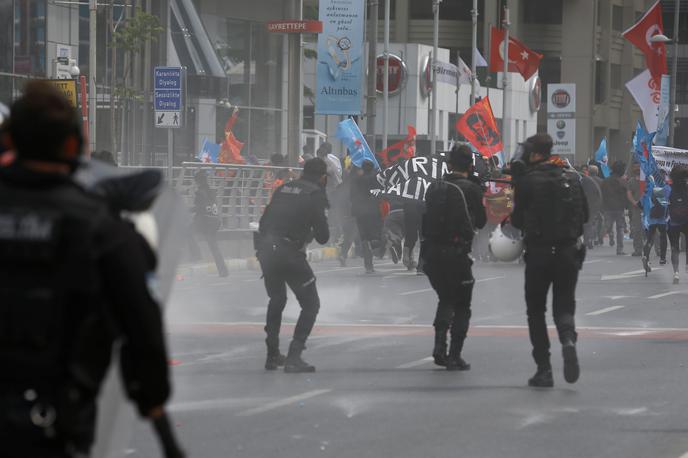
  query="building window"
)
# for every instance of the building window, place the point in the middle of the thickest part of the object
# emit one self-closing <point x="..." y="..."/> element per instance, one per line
<point x="543" y="12"/>
<point x="617" y="18"/>
<point x="29" y="37"/>
<point x="252" y="61"/>
<point x="615" y="76"/>
<point x="600" y="82"/>
<point x="450" y="10"/>
<point x="392" y="9"/>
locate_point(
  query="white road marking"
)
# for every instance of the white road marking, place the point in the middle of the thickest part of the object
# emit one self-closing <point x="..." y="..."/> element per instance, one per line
<point x="632" y="274"/>
<point x="412" y="364"/>
<point x="427" y="290"/>
<point x="418" y="291"/>
<point x="670" y="293"/>
<point x="685" y="455"/>
<point x="616" y="298"/>
<point x="593" y="261"/>
<point x="211" y="404"/>
<point x="605" y="310"/>
<point x="282" y="403"/>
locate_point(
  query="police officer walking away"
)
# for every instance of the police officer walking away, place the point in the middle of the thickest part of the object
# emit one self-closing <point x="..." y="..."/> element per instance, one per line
<point x="550" y="208"/>
<point x="73" y="278"/>
<point x="454" y="211"/>
<point x="294" y="217"/>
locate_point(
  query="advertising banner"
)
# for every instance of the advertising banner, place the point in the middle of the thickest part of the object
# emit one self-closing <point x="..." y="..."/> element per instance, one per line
<point x="561" y="113"/>
<point x="667" y="158"/>
<point x="662" y="136"/>
<point x="340" y="58"/>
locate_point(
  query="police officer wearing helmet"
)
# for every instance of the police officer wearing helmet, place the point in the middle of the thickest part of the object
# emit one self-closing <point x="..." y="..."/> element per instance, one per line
<point x="73" y="280"/>
<point x="294" y="217"/>
<point x="550" y="208"/>
<point x="454" y="211"/>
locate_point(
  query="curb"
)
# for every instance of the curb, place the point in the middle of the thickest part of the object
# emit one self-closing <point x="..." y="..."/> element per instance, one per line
<point x="251" y="263"/>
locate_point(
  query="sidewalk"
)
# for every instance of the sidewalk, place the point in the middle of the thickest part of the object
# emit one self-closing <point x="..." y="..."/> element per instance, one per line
<point x="251" y="263"/>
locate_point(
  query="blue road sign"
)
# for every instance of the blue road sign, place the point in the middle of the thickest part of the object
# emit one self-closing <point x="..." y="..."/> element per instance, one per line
<point x="167" y="96"/>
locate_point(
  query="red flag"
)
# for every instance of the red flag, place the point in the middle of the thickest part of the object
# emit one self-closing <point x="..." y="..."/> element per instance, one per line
<point x="648" y="26"/>
<point x="405" y="149"/>
<point x="230" y="150"/>
<point x="479" y="127"/>
<point x="521" y="59"/>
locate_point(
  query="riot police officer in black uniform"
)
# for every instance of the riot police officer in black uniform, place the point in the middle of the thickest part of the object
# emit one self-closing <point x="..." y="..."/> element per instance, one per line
<point x="454" y="211"/>
<point x="73" y="279"/>
<point x="550" y="208"/>
<point x="294" y="217"/>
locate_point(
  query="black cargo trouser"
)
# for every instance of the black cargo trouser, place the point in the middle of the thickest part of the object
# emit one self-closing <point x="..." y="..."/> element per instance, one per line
<point x="652" y="231"/>
<point x="284" y="266"/>
<point x="450" y="274"/>
<point x="370" y="231"/>
<point x="557" y="267"/>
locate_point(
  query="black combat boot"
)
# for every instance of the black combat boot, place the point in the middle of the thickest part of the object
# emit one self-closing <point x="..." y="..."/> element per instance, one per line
<point x="542" y="378"/>
<point x="439" y="353"/>
<point x="454" y="360"/>
<point x="274" y="359"/>
<point x="571" y="367"/>
<point x="293" y="363"/>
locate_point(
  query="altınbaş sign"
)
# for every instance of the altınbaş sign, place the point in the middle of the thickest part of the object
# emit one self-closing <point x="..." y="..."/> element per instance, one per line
<point x="340" y="58"/>
<point x="561" y="118"/>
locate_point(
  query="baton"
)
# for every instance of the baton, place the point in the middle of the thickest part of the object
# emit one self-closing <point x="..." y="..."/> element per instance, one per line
<point x="168" y="441"/>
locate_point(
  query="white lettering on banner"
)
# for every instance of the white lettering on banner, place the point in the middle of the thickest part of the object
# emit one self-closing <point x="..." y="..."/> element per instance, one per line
<point x="668" y="158"/>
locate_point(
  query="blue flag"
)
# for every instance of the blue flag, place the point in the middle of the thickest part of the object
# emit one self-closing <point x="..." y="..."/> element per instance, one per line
<point x="209" y="152"/>
<point x="349" y="133"/>
<point x="602" y="158"/>
<point x="642" y="141"/>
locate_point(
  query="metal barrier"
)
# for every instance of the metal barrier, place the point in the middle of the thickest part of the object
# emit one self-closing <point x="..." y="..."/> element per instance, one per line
<point x="243" y="191"/>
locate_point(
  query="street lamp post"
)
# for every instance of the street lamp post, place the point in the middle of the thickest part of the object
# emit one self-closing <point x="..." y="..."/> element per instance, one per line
<point x="673" y="106"/>
<point x="92" y="55"/>
<point x="474" y="44"/>
<point x="435" y="51"/>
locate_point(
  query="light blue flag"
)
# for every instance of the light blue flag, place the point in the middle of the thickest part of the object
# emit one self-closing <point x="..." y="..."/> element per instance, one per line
<point x="349" y="133"/>
<point x="602" y="157"/>
<point x="209" y="152"/>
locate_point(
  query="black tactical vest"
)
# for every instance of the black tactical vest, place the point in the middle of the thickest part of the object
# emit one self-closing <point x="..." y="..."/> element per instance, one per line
<point x="49" y="282"/>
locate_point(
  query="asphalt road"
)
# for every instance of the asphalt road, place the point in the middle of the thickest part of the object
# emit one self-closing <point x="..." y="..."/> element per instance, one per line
<point x="376" y="392"/>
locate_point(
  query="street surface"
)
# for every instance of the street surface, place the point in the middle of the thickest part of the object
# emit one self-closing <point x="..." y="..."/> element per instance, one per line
<point x="376" y="392"/>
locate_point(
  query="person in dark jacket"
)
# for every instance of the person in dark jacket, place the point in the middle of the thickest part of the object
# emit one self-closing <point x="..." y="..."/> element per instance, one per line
<point x="293" y="218"/>
<point x="597" y="217"/>
<point x="454" y="211"/>
<point x="74" y="279"/>
<point x="550" y="208"/>
<point x="593" y="194"/>
<point x="365" y="207"/>
<point x="614" y="204"/>
<point x="635" y="212"/>
<point x="206" y="219"/>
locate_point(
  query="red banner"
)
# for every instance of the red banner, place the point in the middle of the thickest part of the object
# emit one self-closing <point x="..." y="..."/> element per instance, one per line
<point x="295" y="26"/>
<point x="479" y="127"/>
<point x="404" y="149"/>
<point x="521" y="59"/>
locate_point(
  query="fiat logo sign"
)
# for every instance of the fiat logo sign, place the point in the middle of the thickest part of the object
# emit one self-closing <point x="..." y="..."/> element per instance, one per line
<point x="561" y="98"/>
<point x="398" y="74"/>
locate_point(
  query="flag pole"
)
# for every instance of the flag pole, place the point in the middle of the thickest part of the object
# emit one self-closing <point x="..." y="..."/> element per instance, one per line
<point x="505" y="121"/>
<point x="674" y="66"/>
<point x="474" y="41"/>
<point x="385" y="106"/>
<point x="435" y="50"/>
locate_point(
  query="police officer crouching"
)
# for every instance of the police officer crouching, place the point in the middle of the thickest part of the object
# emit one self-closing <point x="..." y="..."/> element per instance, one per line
<point x="454" y="211"/>
<point x="73" y="279"/>
<point x="293" y="218"/>
<point x="550" y="208"/>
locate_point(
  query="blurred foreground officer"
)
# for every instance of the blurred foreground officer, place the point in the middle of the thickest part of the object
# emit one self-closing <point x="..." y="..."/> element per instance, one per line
<point x="73" y="278"/>
<point x="454" y="211"/>
<point x="294" y="217"/>
<point x="550" y="208"/>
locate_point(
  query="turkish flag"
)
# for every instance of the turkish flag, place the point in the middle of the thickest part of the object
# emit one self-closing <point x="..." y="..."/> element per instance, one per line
<point x="479" y="127"/>
<point x="648" y="26"/>
<point x="521" y="59"/>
